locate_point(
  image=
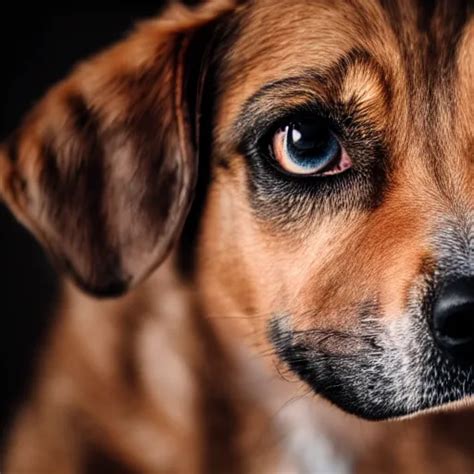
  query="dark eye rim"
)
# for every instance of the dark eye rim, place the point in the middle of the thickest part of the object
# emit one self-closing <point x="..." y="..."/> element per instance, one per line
<point x="368" y="152"/>
<point x="272" y="191"/>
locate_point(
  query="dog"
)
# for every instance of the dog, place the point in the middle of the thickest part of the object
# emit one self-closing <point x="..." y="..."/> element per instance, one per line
<point x="302" y="175"/>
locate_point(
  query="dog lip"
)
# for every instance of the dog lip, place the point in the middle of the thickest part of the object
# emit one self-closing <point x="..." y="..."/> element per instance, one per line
<point x="368" y="382"/>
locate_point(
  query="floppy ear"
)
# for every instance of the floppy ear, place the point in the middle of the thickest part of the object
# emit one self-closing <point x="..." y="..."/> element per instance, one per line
<point x="102" y="171"/>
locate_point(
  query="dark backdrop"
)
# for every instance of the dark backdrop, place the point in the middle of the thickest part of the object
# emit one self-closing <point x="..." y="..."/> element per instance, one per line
<point x="38" y="46"/>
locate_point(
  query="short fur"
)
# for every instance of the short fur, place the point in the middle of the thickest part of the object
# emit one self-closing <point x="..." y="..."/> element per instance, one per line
<point x="289" y="285"/>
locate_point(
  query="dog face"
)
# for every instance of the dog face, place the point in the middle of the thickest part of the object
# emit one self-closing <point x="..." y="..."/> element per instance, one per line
<point x="339" y="219"/>
<point x="343" y="198"/>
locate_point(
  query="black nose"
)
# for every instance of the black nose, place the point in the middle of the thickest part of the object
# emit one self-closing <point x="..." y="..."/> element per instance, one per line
<point x="453" y="319"/>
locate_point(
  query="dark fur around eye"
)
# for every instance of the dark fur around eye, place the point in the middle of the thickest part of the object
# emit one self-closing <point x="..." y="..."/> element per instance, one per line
<point x="284" y="200"/>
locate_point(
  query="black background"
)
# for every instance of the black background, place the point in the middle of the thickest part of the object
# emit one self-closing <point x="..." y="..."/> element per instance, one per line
<point x="38" y="46"/>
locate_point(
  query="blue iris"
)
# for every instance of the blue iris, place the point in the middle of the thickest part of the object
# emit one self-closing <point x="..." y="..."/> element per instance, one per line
<point x="311" y="145"/>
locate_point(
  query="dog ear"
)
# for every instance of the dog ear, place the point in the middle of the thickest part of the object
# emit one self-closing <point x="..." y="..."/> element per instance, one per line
<point x="102" y="170"/>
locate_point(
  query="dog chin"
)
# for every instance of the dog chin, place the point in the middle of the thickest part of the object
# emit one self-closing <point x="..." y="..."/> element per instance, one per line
<point x="382" y="407"/>
<point x="371" y="378"/>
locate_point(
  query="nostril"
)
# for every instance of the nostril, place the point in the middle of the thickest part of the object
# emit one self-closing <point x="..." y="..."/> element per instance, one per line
<point x="459" y="326"/>
<point x="453" y="319"/>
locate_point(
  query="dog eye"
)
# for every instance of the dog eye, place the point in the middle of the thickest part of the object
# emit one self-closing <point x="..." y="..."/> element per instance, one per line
<point x="309" y="147"/>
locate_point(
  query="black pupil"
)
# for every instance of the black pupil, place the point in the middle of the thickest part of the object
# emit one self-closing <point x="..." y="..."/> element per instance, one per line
<point x="310" y="136"/>
<point x="311" y="144"/>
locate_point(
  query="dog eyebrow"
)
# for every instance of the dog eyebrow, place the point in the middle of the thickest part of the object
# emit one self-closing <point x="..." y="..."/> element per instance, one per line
<point x="313" y="90"/>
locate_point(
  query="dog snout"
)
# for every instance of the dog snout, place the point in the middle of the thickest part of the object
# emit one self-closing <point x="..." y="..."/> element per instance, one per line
<point x="453" y="319"/>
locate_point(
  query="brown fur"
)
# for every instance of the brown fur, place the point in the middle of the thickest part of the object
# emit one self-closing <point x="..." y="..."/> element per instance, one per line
<point x="179" y="375"/>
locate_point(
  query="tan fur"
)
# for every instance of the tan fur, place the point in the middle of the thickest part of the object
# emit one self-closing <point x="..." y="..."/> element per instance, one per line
<point x="179" y="375"/>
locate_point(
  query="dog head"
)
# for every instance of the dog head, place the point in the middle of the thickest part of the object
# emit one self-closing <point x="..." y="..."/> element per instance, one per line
<point x="339" y="215"/>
